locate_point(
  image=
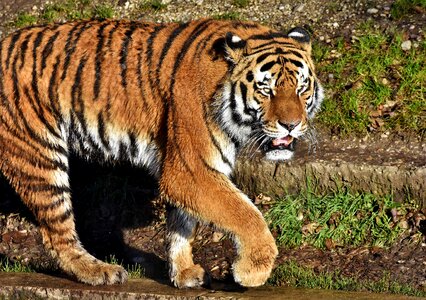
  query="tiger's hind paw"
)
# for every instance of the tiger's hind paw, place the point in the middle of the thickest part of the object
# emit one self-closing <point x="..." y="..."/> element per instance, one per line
<point x="96" y="272"/>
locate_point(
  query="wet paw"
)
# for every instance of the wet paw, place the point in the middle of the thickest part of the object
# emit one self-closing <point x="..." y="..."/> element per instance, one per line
<point x="192" y="277"/>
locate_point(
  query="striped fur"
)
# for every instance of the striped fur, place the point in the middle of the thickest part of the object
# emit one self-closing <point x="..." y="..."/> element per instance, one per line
<point x="179" y="99"/>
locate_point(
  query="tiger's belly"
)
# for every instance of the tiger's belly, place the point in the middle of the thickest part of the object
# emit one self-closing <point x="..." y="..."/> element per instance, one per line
<point x="116" y="146"/>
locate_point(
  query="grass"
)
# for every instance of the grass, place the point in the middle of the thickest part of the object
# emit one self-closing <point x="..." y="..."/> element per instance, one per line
<point x="376" y="86"/>
<point x="152" y="5"/>
<point x="292" y="274"/>
<point x="135" y="271"/>
<point x="340" y="219"/>
<point x="401" y="8"/>
<point x="241" y="3"/>
<point x="14" y="267"/>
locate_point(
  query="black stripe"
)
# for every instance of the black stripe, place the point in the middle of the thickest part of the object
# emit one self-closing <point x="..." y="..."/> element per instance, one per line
<point x="98" y="60"/>
<point x="23" y="138"/>
<point x="101" y="132"/>
<point x="53" y="95"/>
<point x="77" y="95"/>
<point x="133" y="144"/>
<point x="267" y="66"/>
<point x="140" y="81"/>
<point x="40" y="115"/>
<point x="268" y="36"/>
<point x="263" y="57"/>
<point x="149" y="52"/>
<point x="249" y="76"/>
<point x="58" y="219"/>
<point x="122" y="152"/>
<point x="247" y="110"/>
<point x="286" y="45"/>
<point x="34" y="81"/>
<point x="39" y="161"/>
<point x="13" y="40"/>
<point x="53" y="190"/>
<point x="47" y="51"/>
<point x="24" y="48"/>
<point x="175" y="33"/>
<point x="71" y="45"/>
<point x="124" y="52"/>
<point x="111" y="34"/>
<point x="218" y="148"/>
<point x="295" y="62"/>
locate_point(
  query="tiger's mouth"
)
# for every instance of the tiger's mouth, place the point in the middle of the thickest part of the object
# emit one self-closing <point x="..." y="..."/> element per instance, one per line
<point x="284" y="143"/>
<point x="280" y="148"/>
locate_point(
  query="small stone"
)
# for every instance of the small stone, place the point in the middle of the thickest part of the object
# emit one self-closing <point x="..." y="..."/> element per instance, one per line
<point x="299" y="8"/>
<point x="372" y="11"/>
<point x="406" y="45"/>
<point x="335" y="24"/>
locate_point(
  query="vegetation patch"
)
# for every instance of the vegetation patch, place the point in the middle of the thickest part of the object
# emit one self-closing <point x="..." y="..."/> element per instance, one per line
<point x="135" y="271"/>
<point x="9" y="266"/>
<point x="337" y="220"/>
<point x="291" y="274"/>
<point x="373" y="84"/>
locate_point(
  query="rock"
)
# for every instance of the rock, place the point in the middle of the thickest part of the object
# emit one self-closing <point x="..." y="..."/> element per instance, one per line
<point x="406" y="45"/>
<point x="372" y="11"/>
<point x="299" y="8"/>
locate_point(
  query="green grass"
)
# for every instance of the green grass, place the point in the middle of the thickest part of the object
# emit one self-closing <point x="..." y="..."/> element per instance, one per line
<point x="292" y="274"/>
<point x="14" y="266"/>
<point x="25" y="19"/>
<point x="241" y="3"/>
<point x="68" y="10"/>
<point x="135" y="271"/>
<point x="401" y="8"/>
<point x="376" y="85"/>
<point x="340" y="219"/>
<point x="152" y="5"/>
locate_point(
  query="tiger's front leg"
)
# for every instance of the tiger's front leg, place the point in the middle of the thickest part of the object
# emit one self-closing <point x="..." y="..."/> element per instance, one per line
<point x="211" y="197"/>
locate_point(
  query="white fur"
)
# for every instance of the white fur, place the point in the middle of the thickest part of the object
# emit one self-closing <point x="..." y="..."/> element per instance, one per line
<point x="296" y="34"/>
<point x="279" y="155"/>
<point x="235" y="39"/>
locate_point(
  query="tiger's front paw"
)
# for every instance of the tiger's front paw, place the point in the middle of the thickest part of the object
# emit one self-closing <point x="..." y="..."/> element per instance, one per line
<point x="192" y="277"/>
<point x="254" y="267"/>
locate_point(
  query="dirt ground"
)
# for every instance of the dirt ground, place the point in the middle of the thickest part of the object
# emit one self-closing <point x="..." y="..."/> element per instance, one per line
<point x="133" y="230"/>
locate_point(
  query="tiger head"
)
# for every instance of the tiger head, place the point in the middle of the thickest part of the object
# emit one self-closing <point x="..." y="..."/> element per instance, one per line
<point x="271" y="90"/>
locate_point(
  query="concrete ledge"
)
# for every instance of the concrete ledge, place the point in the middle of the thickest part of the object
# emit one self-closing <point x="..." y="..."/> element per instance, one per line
<point x="40" y="286"/>
<point x="266" y="177"/>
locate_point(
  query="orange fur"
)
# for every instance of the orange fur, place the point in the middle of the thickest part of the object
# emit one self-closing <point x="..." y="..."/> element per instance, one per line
<point x="180" y="99"/>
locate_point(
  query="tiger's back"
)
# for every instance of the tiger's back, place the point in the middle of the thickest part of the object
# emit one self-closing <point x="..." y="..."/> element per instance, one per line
<point x="180" y="99"/>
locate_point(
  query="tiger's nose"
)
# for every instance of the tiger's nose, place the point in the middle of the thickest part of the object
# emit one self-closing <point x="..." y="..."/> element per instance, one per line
<point x="289" y="126"/>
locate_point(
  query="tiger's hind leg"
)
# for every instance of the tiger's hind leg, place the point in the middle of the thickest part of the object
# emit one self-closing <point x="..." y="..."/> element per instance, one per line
<point x="181" y="232"/>
<point x="40" y="176"/>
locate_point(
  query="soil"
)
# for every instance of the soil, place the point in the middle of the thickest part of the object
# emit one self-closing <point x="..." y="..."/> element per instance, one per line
<point x="134" y="230"/>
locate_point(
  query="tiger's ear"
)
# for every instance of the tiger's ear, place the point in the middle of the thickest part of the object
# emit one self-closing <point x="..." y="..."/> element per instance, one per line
<point x="235" y="47"/>
<point x="302" y="36"/>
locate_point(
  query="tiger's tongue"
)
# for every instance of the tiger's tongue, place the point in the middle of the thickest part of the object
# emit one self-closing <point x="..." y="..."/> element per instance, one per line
<point x="282" y="141"/>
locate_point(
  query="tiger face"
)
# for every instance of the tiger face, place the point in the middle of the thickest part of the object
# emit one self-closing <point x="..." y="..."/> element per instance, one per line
<point x="272" y="90"/>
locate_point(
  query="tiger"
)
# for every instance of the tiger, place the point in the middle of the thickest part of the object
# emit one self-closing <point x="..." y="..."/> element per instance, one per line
<point x="179" y="99"/>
